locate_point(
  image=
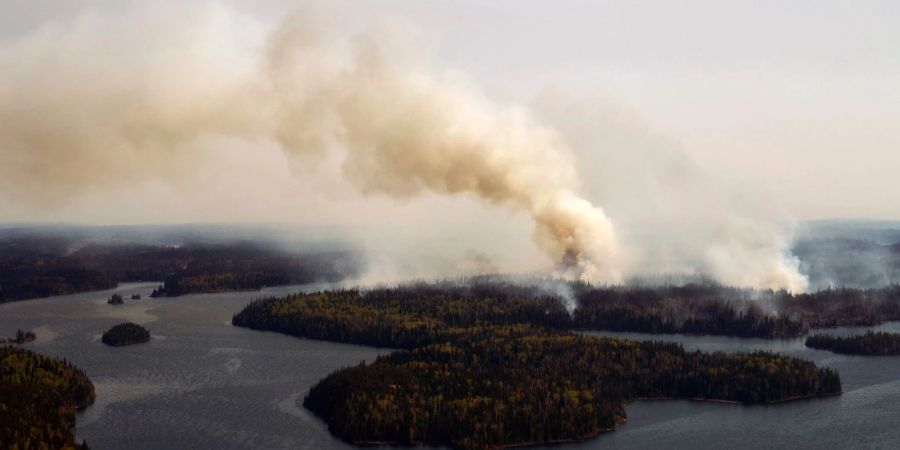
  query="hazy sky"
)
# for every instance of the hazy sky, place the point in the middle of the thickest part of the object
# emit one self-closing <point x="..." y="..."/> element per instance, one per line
<point x="800" y="98"/>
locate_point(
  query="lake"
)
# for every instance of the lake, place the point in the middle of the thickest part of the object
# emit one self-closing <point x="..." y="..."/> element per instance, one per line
<point x="201" y="383"/>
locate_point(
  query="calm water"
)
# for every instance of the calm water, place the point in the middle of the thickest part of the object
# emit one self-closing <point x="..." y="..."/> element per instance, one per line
<point x="202" y="384"/>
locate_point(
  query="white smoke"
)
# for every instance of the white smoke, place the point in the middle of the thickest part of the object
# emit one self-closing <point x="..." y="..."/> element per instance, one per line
<point x="82" y="96"/>
<point x="90" y="104"/>
<point x="673" y="218"/>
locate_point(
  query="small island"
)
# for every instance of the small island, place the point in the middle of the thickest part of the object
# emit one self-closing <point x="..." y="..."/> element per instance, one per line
<point x="871" y="343"/>
<point x="125" y="334"/>
<point x="136" y="296"/>
<point x="22" y="337"/>
<point x="116" y="299"/>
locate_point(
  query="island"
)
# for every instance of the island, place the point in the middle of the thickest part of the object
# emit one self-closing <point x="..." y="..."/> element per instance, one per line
<point x="22" y="337"/>
<point x="497" y="366"/>
<point x="871" y="343"/>
<point x="116" y="299"/>
<point x="125" y="334"/>
<point x="38" y="398"/>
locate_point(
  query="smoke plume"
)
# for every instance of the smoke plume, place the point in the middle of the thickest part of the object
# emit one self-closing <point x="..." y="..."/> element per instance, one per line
<point x="97" y="102"/>
<point x="105" y="100"/>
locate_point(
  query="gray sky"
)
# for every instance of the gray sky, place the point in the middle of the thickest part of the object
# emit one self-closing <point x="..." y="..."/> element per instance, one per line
<point x="800" y="99"/>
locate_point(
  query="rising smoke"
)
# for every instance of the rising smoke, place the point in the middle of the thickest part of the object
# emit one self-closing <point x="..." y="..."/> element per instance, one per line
<point x="88" y="104"/>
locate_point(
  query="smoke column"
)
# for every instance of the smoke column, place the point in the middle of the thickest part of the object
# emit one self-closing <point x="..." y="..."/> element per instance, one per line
<point x="95" y="102"/>
<point x="89" y="104"/>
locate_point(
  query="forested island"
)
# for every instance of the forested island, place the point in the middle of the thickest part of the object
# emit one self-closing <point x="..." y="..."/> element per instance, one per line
<point x="496" y="366"/>
<point x="34" y="264"/>
<point x="710" y="308"/>
<point x="125" y="334"/>
<point x="38" y="399"/>
<point x="692" y="308"/>
<point x="871" y="343"/>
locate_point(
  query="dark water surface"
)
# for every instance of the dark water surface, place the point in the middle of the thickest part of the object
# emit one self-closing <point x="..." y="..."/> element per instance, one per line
<point x="202" y="384"/>
<point x="199" y="383"/>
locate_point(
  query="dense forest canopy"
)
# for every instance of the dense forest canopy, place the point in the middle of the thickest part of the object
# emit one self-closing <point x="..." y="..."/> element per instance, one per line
<point x="494" y="365"/>
<point x="401" y="318"/>
<point x="125" y="334"/>
<point x="691" y="309"/>
<point x="695" y="308"/>
<point x="871" y="343"/>
<point x="38" y="398"/>
<point x="709" y="308"/>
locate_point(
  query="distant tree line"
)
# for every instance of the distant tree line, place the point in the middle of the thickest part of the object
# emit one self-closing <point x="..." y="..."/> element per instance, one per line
<point x="709" y="308"/>
<point x="688" y="309"/>
<point x="871" y="343"/>
<point x="843" y="306"/>
<point x="695" y="308"/>
<point x="32" y="267"/>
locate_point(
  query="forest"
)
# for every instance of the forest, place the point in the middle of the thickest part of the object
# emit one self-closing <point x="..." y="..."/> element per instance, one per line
<point x="40" y="266"/>
<point x="709" y="308"/>
<point x="871" y="343"/>
<point x="125" y="334"/>
<point x="487" y="367"/>
<point x="406" y="317"/>
<point x="694" y="308"/>
<point x="843" y="306"/>
<point x="686" y="309"/>
<point x="38" y="399"/>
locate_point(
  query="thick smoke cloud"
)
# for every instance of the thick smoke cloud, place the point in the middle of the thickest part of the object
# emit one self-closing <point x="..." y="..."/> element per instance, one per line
<point x="673" y="218"/>
<point x="406" y="132"/>
<point x="91" y="103"/>
<point x="78" y="98"/>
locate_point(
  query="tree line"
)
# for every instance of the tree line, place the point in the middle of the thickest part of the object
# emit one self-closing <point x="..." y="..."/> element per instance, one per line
<point x="32" y="267"/>
<point x="871" y="343"/>
<point x="709" y="308"/>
